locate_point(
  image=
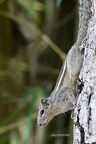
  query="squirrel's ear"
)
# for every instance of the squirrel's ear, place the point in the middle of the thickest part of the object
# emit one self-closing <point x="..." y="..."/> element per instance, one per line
<point x="45" y="101"/>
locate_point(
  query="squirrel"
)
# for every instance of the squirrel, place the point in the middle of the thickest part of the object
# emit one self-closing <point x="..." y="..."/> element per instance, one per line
<point x="63" y="97"/>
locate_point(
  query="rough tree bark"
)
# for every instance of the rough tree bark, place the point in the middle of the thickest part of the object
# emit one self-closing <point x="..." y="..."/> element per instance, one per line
<point x="85" y="111"/>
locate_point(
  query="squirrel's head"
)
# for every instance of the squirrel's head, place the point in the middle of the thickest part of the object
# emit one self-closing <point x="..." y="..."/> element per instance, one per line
<point x="46" y="112"/>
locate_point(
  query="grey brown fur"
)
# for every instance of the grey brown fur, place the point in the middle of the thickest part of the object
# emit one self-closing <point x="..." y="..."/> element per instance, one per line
<point x="63" y="96"/>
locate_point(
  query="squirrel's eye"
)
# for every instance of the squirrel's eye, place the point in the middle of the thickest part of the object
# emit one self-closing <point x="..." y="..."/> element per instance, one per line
<point x="41" y="112"/>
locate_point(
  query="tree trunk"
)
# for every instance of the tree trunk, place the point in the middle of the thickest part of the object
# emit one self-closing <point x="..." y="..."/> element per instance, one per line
<point x="85" y="111"/>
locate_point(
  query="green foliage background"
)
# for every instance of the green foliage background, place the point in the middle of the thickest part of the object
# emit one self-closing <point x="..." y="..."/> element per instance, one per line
<point x="35" y="36"/>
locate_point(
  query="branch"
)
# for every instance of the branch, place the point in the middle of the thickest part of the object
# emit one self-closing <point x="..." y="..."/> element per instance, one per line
<point x="85" y="118"/>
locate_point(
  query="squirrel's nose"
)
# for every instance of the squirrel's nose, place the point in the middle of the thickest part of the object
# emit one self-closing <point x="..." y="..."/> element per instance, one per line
<point x="40" y="124"/>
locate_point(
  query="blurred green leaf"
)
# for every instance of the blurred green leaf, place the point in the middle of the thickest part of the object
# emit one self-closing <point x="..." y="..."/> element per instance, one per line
<point x="35" y="94"/>
<point x="30" y="119"/>
<point x="9" y="118"/>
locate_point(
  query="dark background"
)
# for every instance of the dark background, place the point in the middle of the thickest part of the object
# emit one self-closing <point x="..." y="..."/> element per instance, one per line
<point x="35" y="35"/>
